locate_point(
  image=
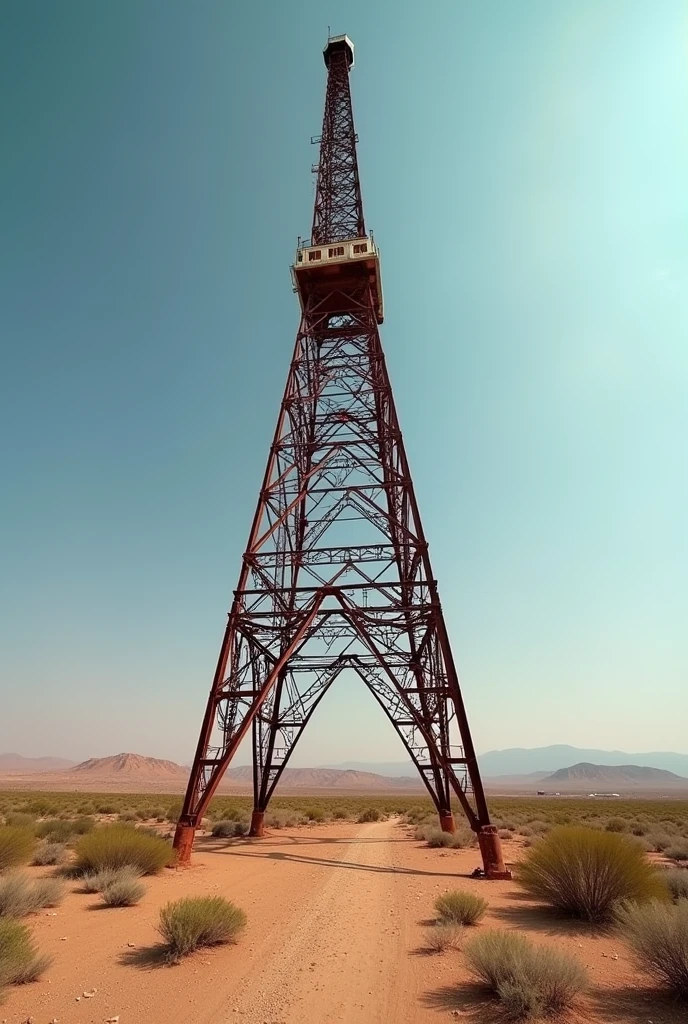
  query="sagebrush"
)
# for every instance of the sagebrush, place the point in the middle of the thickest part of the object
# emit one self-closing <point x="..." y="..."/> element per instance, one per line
<point x="20" y="895"/>
<point x="195" y="921"/>
<point x="586" y="873"/>
<point x="123" y="892"/>
<point x="460" y="907"/>
<point x="658" y="937"/>
<point x="20" y="961"/>
<point x="118" y="846"/>
<point x="16" y="846"/>
<point x="443" y="935"/>
<point x="529" y="980"/>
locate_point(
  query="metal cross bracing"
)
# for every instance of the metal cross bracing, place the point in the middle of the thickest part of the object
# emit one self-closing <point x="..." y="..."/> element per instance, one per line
<point x="336" y="575"/>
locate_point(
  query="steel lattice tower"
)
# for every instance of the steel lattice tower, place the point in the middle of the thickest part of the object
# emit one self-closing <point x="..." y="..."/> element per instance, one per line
<point x="337" y="574"/>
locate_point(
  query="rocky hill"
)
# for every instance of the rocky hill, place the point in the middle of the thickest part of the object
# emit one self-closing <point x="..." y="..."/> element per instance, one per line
<point x="315" y="779"/>
<point x="616" y="777"/>
<point x="135" y="765"/>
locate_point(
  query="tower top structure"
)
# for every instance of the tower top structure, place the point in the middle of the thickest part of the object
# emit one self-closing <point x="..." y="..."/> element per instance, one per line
<point x="337" y="44"/>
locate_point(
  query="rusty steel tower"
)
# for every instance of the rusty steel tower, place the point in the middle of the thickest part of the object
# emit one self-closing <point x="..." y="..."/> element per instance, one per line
<point x="336" y="574"/>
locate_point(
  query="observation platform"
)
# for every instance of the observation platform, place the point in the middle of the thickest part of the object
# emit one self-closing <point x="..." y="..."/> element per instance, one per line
<point x="338" y="266"/>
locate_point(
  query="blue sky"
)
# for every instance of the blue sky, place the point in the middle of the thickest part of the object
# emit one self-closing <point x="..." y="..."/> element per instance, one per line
<point x="524" y="169"/>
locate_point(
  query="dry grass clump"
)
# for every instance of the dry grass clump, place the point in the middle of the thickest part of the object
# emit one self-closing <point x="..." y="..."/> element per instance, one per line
<point x="124" y="891"/>
<point x="118" y="846"/>
<point x="370" y="814"/>
<point x="99" y="880"/>
<point x="529" y="980"/>
<point x="19" y="895"/>
<point x="677" y="851"/>
<point x="195" y="921"/>
<point x="60" y="830"/>
<point x="677" y="882"/>
<point x="443" y="935"/>
<point x="660" y="841"/>
<point x="49" y="854"/>
<point x="460" y="907"/>
<point x="20" y="962"/>
<point x="16" y="846"/>
<point x="585" y="873"/>
<point x="230" y="828"/>
<point x="658" y="937"/>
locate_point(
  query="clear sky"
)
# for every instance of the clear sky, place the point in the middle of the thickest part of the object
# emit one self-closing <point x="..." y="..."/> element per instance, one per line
<point x="525" y="170"/>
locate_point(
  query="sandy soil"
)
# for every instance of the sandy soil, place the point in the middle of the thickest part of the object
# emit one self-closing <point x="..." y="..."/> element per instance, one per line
<point x="336" y="921"/>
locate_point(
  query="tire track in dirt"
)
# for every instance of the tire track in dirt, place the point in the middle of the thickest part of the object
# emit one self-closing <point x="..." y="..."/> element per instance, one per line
<point x="330" y="961"/>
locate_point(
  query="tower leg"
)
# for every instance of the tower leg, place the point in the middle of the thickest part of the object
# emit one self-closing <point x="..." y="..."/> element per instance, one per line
<point x="491" y="850"/>
<point x="447" y="823"/>
<point x="183" y="841"/>
<point x="257" y="828"/>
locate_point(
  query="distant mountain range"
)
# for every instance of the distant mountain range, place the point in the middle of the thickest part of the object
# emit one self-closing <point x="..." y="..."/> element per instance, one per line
<point x="17" y="763"/>
<point x="524" y="761"/>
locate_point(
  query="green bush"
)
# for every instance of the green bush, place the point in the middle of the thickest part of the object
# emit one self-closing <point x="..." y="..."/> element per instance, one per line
<point x="20" y="896"/>
<point x="678" y="851"/>
<point x="19" y="960"/>
<point x="19" y="819"/>
<point x="16" y="846"/>
<point x="370" y="814"/>
<point x="658" y="937"/>
<point x="57" y="830"/>
<point x="443" y="936"/>
<point x="460" y="907"/>
<point x="173" y="812"/>
<point x="528" y="980"/>
<point x="586" y="873"/>
<point x="123" y="892"/>
<point x="195" y="921"/>
<point x="118" y="846"/>
<point x="677" y="881"/>
<point x="315" y="814"/>
<point x="49" y="854"/>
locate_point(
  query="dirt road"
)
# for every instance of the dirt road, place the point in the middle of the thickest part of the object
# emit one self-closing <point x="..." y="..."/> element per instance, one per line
<point x="336" y="922"/>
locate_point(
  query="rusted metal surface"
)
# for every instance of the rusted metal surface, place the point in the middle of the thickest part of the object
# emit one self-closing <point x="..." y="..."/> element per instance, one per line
<point x="337" y="576"/>
<point x="491" y="851"/>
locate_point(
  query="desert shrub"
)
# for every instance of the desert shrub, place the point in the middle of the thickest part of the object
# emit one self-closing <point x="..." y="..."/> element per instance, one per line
<point x="19" y="960"/>
<point x="677" y="882"/>
<point x="195" y="921"/>
<point x="118" y="846"/>
<point x="658" y="937"/>
<point x="529" y="980"/>
<point x="585" y="873"/>
<point x="228" y="829"/>
<point x="173" y="812"/>
<point x="442" y="936"/>
<point x="339" y="814"/>
<point x="16" y="846"/>
<point x="370" y="814"/>
<point x="20" y="896"/>
<point x="438" y="839"/>
<point x="128" y="816"/>
<point x="124" y="891"/>
<point x="659" y="841"/>
<point x="315" y="814"/>
<point x="460" y="907"/>
<point x="678" y="851"/>
<point x="58" y="830"/>
<point x="49" y="853"/>
<point x="616" y="825"/>
<point x="99" y="880"/>
<point x="106" y="808"/>
<point x="19" y="819"/>
<point x="504" y="833"/>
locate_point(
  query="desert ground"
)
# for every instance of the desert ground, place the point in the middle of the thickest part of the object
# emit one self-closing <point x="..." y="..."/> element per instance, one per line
<point x="338" y="915"/>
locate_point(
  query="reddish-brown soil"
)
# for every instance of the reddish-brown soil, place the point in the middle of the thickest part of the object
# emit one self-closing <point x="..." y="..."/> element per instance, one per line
<point x="336" y="921"/>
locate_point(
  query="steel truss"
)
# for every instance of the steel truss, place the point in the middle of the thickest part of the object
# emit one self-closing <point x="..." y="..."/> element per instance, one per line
<point x="337" y="573"/>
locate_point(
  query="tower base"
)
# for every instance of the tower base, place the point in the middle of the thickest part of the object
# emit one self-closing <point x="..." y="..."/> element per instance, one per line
<point x="183" y="842"/>
<point x="257" y="828"/>
<point x="447" y="823"/>
<point x="491" y="850"/>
